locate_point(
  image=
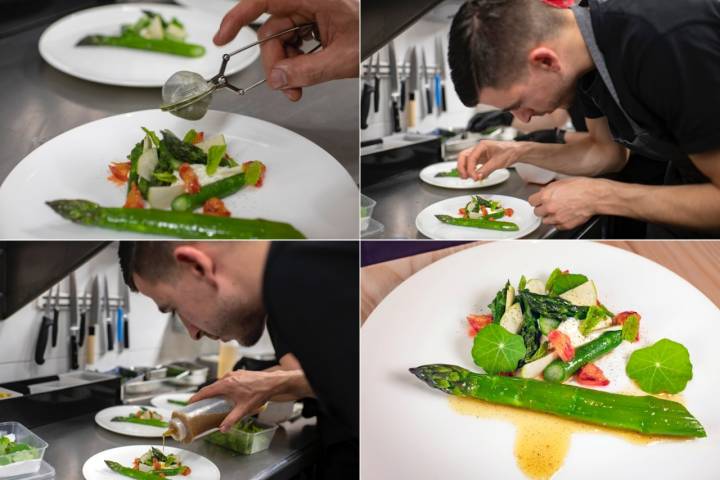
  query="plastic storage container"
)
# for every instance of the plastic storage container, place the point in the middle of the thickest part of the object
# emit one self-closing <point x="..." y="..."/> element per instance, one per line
<point x="244" y="442"/>
<point x="9" y="467"/>
<point x="367" y="205"/>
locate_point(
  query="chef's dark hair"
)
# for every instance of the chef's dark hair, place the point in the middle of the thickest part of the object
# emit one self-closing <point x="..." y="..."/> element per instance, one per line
<point x="150" y="260"/>
<point x="490" y="39"/>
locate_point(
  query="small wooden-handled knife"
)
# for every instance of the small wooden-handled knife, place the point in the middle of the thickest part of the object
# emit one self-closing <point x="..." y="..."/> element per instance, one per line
<point x="412" y="87"/>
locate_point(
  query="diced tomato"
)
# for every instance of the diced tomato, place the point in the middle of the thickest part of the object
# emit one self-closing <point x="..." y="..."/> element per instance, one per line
<point x="492" y="219"/>
<point x="186" y="471"/>
<point x="156" y="464"/>
<point x="136" y="464"/>
<point x="119" y="172"/>
<point x="478" y="322"/>
<point x="505" y="374"/>
<point x="591" y="375"/>
<point x="562" y="345"/>
<point x="620" y="318"/>
<point x="483" y="210"/>
<point x="461" y="211"/>
<point x="509" y="212"/>
<point x="134" y="198"/>
<point x="263" y="168"/>
<point x="199" y="137"/>
<point x="189" y="178"/>
<point x="215" y="206"/>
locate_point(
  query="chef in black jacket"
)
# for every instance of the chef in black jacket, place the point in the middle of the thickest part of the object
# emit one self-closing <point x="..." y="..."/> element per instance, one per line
<point x="307" y="295"/>
<point x="647" y="73"/>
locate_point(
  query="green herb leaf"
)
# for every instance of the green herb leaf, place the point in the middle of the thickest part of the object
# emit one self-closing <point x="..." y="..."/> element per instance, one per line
<point x="662" y="367"/>
<point x="560" y="282"/>
<point x="153" y="137"/>
<point x="630" y="328"/>
<point x="496" y="350"/>
<point x="165" y="177"/>
<point x="522" y="283"/>
<point x="497" y="306"/>
<point x="594" y="316"/>
<point x="215" y="155"/>
<point x="190" y="136"/>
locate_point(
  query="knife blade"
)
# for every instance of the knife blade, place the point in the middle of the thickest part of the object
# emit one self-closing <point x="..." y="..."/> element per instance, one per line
<point x="126" y="314"/>
<point x="74" y="322"/>
<point x="441" y="75"/>
<point x="108" y="319"/>
<point x="426" y="86"/>
<point x="94" y="322"/>
<point x="366" y="96"/>
<point x="412" y="87"/>
<point x="404" y="81"/>
<point x="394" y="87"/>
<point x="120" y="314"/>
<point x="56" y="317"/>
<point x="376" y="106"/>
<point x="44" y="332"/>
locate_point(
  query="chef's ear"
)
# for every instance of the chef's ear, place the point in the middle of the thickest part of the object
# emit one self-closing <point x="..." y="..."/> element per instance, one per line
<point x="545" y="59"/>
<point x="199" y="263"/>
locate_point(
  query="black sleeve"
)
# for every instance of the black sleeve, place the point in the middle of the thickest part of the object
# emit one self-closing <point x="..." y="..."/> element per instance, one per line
<point x="679" y="81"/>
<point x="587" y="105"/>
<point x="311" y="293"/>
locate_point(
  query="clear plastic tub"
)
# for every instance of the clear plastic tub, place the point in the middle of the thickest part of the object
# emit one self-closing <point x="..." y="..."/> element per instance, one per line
<point x="367" y="205"/>
<point x="9" y="464"/>
<point x="244" y="442"/>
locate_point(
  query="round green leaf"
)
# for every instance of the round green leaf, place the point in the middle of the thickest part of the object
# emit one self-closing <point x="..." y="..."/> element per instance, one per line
<point x="496" y="350"/>
<point x="661" y="368"/>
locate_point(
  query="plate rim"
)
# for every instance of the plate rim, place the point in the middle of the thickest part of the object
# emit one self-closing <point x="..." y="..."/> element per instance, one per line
<point x="148" y="435"/>
<point x="474" y="186"/>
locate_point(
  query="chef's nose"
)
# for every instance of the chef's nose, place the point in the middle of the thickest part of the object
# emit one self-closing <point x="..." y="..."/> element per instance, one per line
<point x="522" y="114"/>
<point x="193" y="331"/>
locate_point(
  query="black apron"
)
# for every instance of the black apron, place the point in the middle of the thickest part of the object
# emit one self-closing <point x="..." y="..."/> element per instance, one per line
<point x="680" y="169"/>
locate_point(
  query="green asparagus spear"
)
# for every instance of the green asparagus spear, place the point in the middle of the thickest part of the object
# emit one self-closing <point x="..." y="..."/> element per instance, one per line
<point x="129" y="40"/>
<point x="478" y="223"/>
<point x="178" y="402"/>
<point x="647" y="415"/>
<point x="175" y="224"/>
<point x="183" y="152"/>
<point x="559" y="371"/>
<point x="131" y="472"/>
<point x="529" y="330"/>
<point x="151" y="422"/>
<point x="552" y="307"/>
<point x="220" y="189"/>
<point x="452" y="173"/>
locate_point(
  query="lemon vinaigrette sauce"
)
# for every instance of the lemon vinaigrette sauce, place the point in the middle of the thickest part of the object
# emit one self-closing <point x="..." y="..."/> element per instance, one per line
<point x="542" y="441"/>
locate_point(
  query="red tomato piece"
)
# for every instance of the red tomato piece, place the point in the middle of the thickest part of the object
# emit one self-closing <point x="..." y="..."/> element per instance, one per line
<point x="215" y="206"/>
<point x="263" y="168"/>
<point x="134" y="198"/>
<point x="461" y="211"/>
<point x="562" y="345"/>
<point x="620" y="318"/>
<point x="509" y="212"/>
<point x="478" y="322"/>
<point x="483" y="210"/>
<point x="591" y="375"/>
<point x="119" y="172"/>
<point x="186" y="471"/>
<point x="199" y="137"/>
<point x="188" y="176"/>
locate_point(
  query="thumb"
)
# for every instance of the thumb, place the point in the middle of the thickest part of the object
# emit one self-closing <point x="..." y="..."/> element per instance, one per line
<point x="302" y="70"/>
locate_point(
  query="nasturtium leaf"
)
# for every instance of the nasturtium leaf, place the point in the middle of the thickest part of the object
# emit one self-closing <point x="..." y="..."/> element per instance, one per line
<point x="560" y="282"/>
<point x="496" y="350"/>
<point x="660" y="368"/>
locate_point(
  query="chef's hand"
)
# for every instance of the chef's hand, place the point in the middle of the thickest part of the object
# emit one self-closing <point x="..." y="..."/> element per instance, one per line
<point x="249" y="390"/>
<point x="491" y="154"/>
<point x="286" y="67"/>
<point x="567" y="203"/>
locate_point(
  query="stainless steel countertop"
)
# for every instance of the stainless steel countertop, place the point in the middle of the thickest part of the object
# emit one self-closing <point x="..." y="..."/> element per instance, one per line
<point x="38" y="103"/>
<point x="402" y="197"/>
<point x="73" y="441"/>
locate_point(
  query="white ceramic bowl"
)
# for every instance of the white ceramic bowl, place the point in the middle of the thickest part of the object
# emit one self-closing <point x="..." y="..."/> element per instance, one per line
<point x="533" y="174"/>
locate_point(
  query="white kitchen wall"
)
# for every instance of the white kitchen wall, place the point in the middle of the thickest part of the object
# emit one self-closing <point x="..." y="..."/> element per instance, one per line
<point x="422" y="36"/>
<point x="154" y="338"/>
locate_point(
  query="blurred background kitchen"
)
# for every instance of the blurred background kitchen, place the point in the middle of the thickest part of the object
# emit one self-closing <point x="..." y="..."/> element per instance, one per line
<point x="59" y="368"/>
<point x="433" y="125"/>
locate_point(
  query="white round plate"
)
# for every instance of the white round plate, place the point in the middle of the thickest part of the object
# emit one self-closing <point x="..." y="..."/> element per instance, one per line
<point x="138" y="68"/>
<point x="428" y="173"/>
<point x="431" y="227"/>
<point x="95" y="468"/>
<point x="304" y="185"/>
<point x="220" y="7"/>
<point x="408" y="430"/>
<point x="104" y="417"/>
<point x="161" y="401"/>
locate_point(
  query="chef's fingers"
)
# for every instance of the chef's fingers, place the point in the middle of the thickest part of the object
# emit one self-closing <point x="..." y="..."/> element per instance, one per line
<point x="490" y="165"/>
<point x="235" y="415"/>
<point x="307" y="69"/>
<point x="462" y="162"/>
<point x="246" y="12"/>
<point x="536" y="198"/>
<point x="213" y="390"/>
<point x="470" y="160"/>
<point x="275" y="50"/>
<point x="541" y="211"/>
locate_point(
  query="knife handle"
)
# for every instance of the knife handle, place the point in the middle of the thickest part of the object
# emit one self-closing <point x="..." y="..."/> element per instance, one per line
<point x="42" y="340"/>
<point x="110" y="339"/>
<point x="56" y="317"/>
<point x="411" y="110"/>
<point x="119" y="327"/>
<point x="428" y="98"/>
<point x="365" y="98"/>
<point x="376" y="97"/>
<point x="438" y="93"/>
<point x="74" y="365"/>
<point x="126" y="333"/>
<point x="90" y="347"/>
<point x="444" y="99"/>
<point x="402" y="96"/>
<point x="81" y="336"/>
<point x="396" y="116"/>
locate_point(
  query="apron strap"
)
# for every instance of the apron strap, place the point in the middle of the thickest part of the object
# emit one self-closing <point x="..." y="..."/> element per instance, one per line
<point x="582" y="15"/>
